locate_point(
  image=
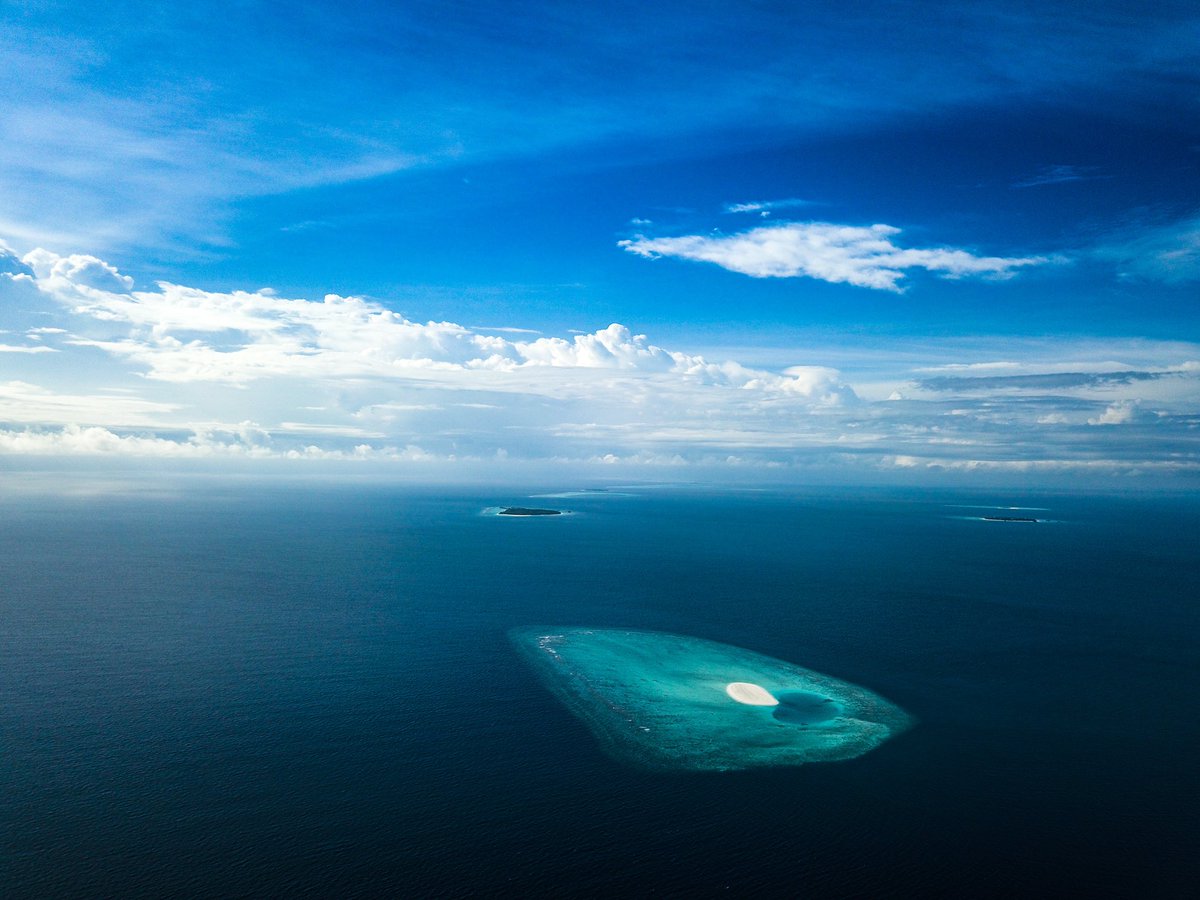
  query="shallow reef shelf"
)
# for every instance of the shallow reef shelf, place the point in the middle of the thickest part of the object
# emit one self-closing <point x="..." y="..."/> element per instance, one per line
<point x="668" y="701"/>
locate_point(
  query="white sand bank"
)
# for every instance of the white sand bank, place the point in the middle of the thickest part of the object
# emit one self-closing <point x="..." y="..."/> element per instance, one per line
<point x="751" y="694"/>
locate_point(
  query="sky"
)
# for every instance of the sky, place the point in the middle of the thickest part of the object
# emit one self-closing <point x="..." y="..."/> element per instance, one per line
<point x="665" y="241"/>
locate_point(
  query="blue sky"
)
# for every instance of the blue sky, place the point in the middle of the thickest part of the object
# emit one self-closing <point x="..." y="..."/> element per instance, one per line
<point x="666" y="240"/>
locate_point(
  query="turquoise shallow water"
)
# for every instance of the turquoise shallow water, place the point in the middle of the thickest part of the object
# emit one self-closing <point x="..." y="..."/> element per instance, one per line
<point x="660" y="701"/>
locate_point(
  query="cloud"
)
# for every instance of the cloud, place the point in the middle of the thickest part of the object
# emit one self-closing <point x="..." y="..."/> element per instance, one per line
<point x="849" y="254"/>
<point x="1102" y="467"/>
<point x="105" y="143"/>
<point x="1059" y="381"/>
<point x="10" y="263"/>
<point x="1119" y="413"/>
<point x="1060" y="175"/>
<point x="74" y="440"/>
<point x="340" y="369"/>
<point x="175" y="371"/>
<point x="1165" y="253"/>
<point x="765" y="206"/>
<point x="1068" y="390"/>
<point x="187" y="335"/>
<point x="24" y="402"/>
<point x="86" y="158"/>
<point x="77" y="270"/>
<point x="505" y="329"/>
<point x="22" y="348"/>
<point x="1001" y="364"/>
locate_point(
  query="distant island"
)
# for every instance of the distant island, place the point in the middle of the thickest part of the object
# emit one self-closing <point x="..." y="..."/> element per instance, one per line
<point x="1008" y="519"/>
<point x="526" y="511"/>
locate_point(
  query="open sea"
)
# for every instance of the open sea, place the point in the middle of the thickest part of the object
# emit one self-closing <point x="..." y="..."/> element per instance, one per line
<point x="295" y="691"/>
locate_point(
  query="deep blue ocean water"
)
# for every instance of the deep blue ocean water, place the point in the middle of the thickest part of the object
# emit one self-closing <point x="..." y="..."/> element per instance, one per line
<point x="308" y="691"/>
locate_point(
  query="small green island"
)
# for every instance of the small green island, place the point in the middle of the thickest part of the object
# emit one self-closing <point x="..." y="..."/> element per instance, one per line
<point x="528" y="511"/>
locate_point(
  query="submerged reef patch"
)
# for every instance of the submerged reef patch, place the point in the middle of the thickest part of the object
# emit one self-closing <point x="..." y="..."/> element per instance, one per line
<point x="667" y="701"/>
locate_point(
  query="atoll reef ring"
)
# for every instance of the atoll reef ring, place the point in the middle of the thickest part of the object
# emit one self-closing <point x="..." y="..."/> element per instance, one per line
<point x="668" y="701"/>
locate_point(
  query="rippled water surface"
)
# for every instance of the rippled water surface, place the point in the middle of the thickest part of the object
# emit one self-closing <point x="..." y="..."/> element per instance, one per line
<point x="310" y="692"/>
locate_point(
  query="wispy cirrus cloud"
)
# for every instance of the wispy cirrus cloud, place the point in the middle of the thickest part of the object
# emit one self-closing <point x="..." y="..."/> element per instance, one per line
<point x="1167" y="253"/>
<point x="26" y="348"/>
<point x="864" y="256"/>
<point x="1059" y="381"/>
<point x="24" y="402"/>
<point x="1060" y="174"/>
<point x="765" y="207"/>
<point x="130" y="126"/>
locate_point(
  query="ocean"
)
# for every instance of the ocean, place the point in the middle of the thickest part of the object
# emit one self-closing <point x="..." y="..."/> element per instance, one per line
<point x="308" y="690"/>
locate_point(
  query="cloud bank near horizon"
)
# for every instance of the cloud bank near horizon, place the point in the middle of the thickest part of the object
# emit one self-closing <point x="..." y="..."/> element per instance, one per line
<point x="105" y="368"/>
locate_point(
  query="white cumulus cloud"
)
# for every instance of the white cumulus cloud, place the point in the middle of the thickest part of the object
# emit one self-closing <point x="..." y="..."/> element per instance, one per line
<point x="1119" y="413"/>
<point x="180" y="372"/>
<point x="325" y="373"/>
<point x="187" y="335"/>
